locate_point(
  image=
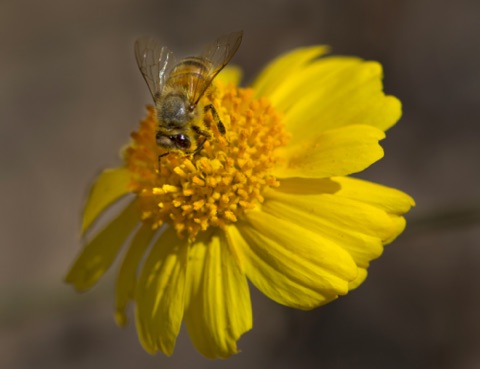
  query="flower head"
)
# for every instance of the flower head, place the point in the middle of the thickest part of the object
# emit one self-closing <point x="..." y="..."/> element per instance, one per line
<point x="213" y="188"/>
<point x="269" y="200"/>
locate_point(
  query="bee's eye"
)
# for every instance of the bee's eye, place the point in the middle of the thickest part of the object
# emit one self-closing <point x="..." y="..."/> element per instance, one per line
<point x="181" y="141"/>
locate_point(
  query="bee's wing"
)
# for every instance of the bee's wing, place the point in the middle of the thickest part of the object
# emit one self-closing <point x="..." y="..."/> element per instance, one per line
<point x="154" y="62"/>
<point x="219" y="54"/>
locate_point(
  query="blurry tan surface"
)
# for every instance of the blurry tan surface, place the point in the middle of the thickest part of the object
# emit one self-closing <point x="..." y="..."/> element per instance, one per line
<point x="70" y="94"/>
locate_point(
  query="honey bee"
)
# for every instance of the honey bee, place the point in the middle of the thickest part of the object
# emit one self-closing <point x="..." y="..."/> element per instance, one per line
<point x="177" y="88"/>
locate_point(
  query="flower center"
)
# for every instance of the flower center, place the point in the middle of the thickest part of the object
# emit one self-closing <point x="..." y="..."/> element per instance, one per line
<point x="215" y="186"/>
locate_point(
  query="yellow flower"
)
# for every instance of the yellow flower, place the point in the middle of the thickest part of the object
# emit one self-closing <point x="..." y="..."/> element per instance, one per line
<point x="269" y="201"/>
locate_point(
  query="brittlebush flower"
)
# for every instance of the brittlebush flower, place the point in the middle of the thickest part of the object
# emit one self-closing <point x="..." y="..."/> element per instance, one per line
<point x="271" y="202"/>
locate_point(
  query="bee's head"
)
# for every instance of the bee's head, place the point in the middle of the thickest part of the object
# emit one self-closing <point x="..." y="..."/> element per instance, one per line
<point x="179" y="141"/>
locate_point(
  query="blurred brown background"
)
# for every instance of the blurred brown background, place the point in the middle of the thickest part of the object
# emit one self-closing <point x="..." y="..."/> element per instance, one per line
<point x="71" y="94"/>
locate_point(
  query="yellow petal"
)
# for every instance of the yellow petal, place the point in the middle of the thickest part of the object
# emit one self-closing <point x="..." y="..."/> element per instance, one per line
<point x="230" y="74"/>
<point x="219" y="312"/>
<point x="97" y="256"/>
<point x="335" y="92"/>
<point x="360" y="214"/>
<point x="308" y="82"/>
<point x="286" y="65"/>
<point x="110" y="185"/>
<point x="399" y="225"/>
<point x="335" y="152"/>
<point x="362" y="275"/>
<point x="127" y="275"/>
<point x="355" y="227"/>
<point x="290" y="264"/>
<point x="389" y="199"/>
<point x="160" y="294"/>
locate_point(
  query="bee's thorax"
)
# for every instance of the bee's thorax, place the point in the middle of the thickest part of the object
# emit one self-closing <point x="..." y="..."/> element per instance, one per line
<point x="174" y="111"/>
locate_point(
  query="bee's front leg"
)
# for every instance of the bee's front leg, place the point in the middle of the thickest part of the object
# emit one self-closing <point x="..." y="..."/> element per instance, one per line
<point x="203" y="133"/>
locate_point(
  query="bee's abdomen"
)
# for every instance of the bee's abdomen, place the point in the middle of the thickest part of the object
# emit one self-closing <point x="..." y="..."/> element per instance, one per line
<point x="188" y="69"/>
<point x="193" y="64"/>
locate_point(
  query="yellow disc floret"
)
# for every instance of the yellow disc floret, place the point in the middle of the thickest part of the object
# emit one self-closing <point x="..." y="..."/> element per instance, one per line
<point x="213" y="187"/>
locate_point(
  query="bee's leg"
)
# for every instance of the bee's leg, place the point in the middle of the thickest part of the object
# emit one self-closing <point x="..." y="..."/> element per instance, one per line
<point x="220" y="125"/>
<point x="162" y="155"/>
<point x="200" y="132"/>
<point x="199" y="147"/>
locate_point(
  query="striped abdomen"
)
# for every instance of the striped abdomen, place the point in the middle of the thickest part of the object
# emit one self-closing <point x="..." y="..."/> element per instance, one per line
<point x="192" y="74"/>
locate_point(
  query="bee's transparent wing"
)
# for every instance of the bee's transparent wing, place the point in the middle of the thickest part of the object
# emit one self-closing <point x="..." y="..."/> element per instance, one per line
<point x="154" y="62"/>
<point x="218" y="54"/>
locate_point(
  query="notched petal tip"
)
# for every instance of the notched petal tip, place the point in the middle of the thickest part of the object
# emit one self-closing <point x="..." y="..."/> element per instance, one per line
<point x="160" y="293"/>
<point x="389" y="199"/>
<point x="219" y="311"/>
<point x="290" y="264"/>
